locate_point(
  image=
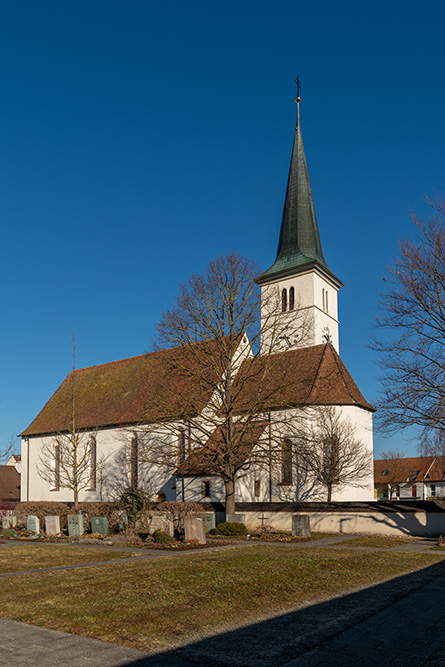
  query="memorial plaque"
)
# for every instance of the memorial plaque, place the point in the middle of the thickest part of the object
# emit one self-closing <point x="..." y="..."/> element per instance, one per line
<point x="52" y="525"/>
<point x="195" y="530"/>
<point x="33" y="523"/>
<point x="75" y="525"/>
<point x="159" y="522"/>
<point x="9" y="521"/>
<point x="99" y="524"/>
<point x="301" y="525"/>
<point x="209" y="521"/>
<point x="236" y="518"/>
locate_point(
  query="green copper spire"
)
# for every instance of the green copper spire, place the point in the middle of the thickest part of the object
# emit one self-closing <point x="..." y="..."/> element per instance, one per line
<point x="299" y="243"/>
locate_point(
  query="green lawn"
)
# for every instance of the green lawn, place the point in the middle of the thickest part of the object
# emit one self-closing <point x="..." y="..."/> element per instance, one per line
<point x="35" y="556"/>
<point x="156" y="604"/>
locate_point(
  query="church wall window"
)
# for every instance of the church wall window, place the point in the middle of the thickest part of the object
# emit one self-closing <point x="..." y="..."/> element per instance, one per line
<point x="205" y="489"/>
<point x="286" y="462"/>
<point x="134" y="461"/>
<point x="93" y="463"/>
<point x="257" y="488"/>
<point x="291" y="298"/>
<point x="327" y="303"/>
<point x="322" y="298"/>
<point x="283" y="300"/>
<point x="181" y="446"/>
<point x="56" y="468"/>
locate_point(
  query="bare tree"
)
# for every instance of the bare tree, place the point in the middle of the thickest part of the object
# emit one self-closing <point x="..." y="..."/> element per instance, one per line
<point x="219" y="339"/>
<point x="7" y="449"/>
<point x="68" y="460"/>
<point x="411" y="319"/>
<point x="394" y="471"/>
<point x="330" y="452"/>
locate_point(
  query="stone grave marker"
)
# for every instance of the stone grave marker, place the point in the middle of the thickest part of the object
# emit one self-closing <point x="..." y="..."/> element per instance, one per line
<point x="301" y="525"/>
<point x="161" y="522"/>
<point x="195" y="529"/>
<point x="123" y="521"/>
<point x="99" y="524"/>
<point x="236" y="518"/>
<point x="209" y="521"/>
<point x="33" y="523"/>
<point x="9" y="521"/>
<point x="75" y="525"/>
<point x="52" y="525"/>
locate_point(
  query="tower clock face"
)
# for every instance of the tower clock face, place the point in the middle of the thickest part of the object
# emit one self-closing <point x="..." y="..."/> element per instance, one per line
<point x="326" y="335"/>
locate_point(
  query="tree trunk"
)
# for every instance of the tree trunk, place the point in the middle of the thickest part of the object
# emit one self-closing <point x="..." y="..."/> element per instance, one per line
<point x="230" y="497"/>
<point x="76" y="498"/>
<point x="329" y="494"/>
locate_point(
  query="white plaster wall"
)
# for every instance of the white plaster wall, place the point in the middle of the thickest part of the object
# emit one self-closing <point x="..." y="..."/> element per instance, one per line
<point x="308" y="301"/>
<point x="111" y="449"/>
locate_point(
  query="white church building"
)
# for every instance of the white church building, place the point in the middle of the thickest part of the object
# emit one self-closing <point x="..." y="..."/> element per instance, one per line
<point x="118" y="404"/>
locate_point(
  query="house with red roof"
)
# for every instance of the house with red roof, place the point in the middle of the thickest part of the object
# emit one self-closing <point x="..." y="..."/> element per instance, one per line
<point x="416" y="478"/>
<point x="124" y="408"/>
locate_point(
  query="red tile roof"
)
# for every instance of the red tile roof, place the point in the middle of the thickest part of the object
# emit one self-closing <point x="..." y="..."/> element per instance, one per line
<point x="212" y="457"/>
<point x="150" y="387"/>
<point x="311" y="375"/>
<point x="404" y="469"/>
<point x="9" y="483"/>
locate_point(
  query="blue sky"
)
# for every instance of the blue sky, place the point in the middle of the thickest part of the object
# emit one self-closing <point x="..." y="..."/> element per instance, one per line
<point x="142" y="139"/>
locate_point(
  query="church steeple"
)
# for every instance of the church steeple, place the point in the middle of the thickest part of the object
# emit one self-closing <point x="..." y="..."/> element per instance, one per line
<point x="299" y="286"/>
<point x="299" y="243"/>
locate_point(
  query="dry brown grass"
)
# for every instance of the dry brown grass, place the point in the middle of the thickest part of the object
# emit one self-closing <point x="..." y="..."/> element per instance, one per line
<point x="378" y="541"/>
<point x="35" y="556"/>
<point x="157" y="604"/>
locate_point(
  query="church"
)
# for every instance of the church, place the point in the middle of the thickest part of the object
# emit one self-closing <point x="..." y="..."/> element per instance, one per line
<point x="131" y="430"/>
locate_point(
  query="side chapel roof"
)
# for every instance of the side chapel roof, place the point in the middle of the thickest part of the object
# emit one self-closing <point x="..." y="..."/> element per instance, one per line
<point x="209" y="459"/>
<point x="149" y="388"/>
<point x="9" y="483"/>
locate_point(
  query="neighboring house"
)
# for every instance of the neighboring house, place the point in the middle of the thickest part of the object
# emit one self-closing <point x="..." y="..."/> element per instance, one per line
<point x="9" y="483"/>
<point x="115" y="402"/>
<point x="419" y="477"/>
<point x="16" y="461"/>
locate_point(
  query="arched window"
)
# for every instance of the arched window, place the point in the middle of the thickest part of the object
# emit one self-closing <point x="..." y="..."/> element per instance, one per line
<point x="134" y="461"/>
<point x="327" y="304"/>
<point x="284" y="300"/>
<point x="291" y="298"/>
<point x="205" y="489"/>
<point x="322" y="298"/>
<point x="181" y="446"/>
<point x="286" y="462"/>
<point x="93" y="464"/>
<point x="57" y="467"/>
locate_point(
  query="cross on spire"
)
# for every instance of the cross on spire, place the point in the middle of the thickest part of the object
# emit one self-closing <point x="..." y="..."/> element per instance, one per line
<point x="297" y="81"/>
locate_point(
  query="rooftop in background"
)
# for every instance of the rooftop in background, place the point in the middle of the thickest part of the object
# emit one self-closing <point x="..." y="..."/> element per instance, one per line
<point x="9" y="483"/>
<point x="409" y="470"/>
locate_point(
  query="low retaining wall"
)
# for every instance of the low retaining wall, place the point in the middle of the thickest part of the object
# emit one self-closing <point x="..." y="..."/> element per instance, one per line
<point x="423" y="519"/>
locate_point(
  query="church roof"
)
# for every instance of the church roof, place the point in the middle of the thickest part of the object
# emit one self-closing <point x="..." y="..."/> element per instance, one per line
<point x="150" y="388"/>
<point x="299" y="246"/>
<point x="9" y="483"/>
<point x="210" y="458"/>
<point x="141" y="389"/>
<point x="306" y="376"/>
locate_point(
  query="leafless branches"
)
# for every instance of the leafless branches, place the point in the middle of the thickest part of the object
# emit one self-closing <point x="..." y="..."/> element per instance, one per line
<point x="394" y="472"/>
<point x="214" y="337"/>
<point x="411" y="319"/>
<point x="330" y="452"/>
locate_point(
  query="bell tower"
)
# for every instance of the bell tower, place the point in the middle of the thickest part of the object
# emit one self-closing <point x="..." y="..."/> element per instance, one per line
<point x="299" y="291"/>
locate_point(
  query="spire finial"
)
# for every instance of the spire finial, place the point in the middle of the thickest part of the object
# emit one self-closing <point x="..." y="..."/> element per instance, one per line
<point x="298" y="98"/>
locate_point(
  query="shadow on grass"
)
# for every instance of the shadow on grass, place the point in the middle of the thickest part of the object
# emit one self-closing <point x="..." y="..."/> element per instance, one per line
<point x="283" y="638"/>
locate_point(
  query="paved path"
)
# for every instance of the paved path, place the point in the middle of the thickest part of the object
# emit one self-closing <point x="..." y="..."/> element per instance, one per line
<point x="406" y="633"/>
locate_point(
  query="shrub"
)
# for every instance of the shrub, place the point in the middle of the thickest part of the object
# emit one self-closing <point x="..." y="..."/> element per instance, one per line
<point x="162" y="538"/>
<point x="228" y="528"/>
<point x="9" y="532"/>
